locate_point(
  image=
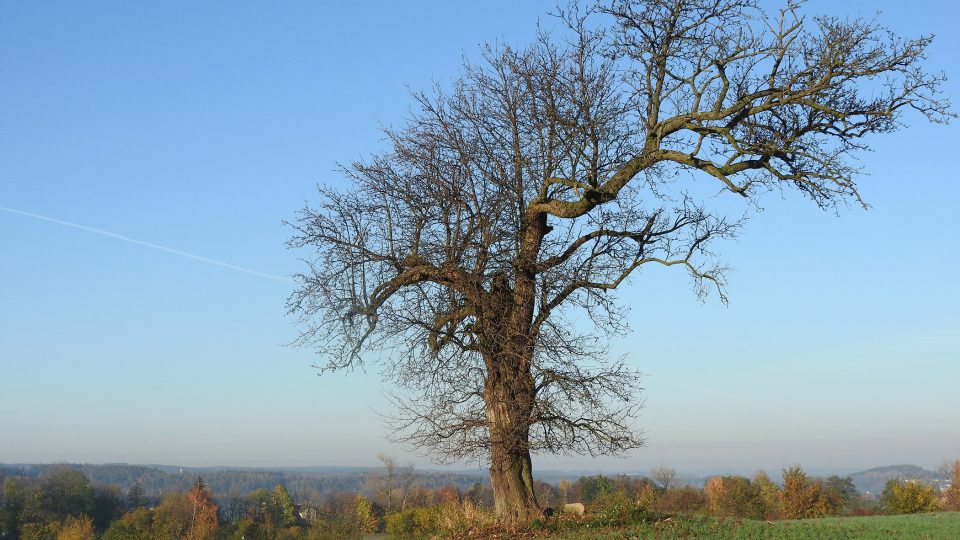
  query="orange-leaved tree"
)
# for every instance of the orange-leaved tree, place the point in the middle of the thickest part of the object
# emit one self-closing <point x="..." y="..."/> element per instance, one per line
<point x="203" y="521"/>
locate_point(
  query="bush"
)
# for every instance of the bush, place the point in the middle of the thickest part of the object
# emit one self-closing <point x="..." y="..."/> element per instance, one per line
<point x="460" y="519"/>
<point x="909" y="497"/>
<point x="617" y="509"/>
<point x="413" y="523"/>
<point x="686" y="500"/>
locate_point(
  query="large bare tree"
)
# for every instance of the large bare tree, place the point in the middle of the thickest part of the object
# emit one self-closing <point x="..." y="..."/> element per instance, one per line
<point x="477" y="258"/>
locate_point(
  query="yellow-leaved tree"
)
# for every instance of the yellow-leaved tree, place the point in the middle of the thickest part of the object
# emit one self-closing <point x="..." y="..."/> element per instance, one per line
<point x="77" y="528"/>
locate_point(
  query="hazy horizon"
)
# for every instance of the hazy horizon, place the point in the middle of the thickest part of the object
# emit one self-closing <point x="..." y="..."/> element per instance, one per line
<point x="481" y="472"/>
<point x="149" y="154"/>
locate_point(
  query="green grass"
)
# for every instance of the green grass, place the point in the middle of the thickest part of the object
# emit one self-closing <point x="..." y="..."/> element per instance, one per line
<point x="938" y="526"/>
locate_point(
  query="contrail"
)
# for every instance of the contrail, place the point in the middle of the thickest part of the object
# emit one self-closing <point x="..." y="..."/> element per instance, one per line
<point x="146" y="244"/>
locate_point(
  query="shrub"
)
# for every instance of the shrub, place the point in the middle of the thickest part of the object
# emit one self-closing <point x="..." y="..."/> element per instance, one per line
<point x="413" y="523"/>
<point x="909" y="497"/>
<point x="645" y="496"/>
<point x="612" y="506"/>
<point x="459" y="519"/>
<point x="616" y="508"/>
<point x="686" y="500"/>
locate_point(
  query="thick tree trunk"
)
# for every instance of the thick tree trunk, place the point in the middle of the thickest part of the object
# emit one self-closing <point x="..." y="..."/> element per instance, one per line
<point x="510" y="388"/>
<point x="512" y="479"/>
<point x="509" y="398"/>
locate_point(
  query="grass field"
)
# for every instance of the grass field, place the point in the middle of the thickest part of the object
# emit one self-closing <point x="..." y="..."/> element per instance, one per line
<point x="939" y="526"/>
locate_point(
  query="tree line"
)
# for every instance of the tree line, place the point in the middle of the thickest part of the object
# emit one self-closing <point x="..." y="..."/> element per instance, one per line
<point x="309" y="485"/>
<point x="63" y="504"/>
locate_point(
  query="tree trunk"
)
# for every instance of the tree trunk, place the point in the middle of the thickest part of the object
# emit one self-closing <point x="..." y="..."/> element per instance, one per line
<point x="510" y="474"/>
<point x="509" y="398"/>
<point x="510" y="390"/>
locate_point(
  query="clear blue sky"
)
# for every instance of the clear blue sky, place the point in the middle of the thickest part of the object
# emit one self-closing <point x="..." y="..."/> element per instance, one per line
<point x="199" y="128"/>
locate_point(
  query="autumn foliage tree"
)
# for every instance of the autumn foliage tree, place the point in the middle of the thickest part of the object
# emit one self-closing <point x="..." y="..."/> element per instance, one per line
<point x="77" y="528"/>
<point x="203" y="519"/>
<point x="804" y="497"/>
<point x="909" y="497"/>
<point x="520" y="197"/>
<point x="365" y="520"/>
<point x="172" y="518"/>
<point x="733" y="496"/>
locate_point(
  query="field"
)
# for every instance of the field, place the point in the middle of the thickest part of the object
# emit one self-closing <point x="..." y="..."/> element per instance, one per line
<point x="939" y="526"/>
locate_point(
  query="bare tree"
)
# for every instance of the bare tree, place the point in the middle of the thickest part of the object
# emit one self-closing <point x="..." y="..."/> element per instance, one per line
<point x="472" y="257"/>
<point x="382" y="484"/>
<point x="663" y="476"/>
<point x="393" y="485"/>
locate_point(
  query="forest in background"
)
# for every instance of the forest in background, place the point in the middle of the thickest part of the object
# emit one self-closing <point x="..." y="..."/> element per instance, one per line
<point x="311" y="482"/>
<point x="120" y="502"/>
<point x="305" y="483"/>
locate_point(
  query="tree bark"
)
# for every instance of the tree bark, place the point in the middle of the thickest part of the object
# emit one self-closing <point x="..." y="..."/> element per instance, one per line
<point x="510" y="474"/>
<point x="510" y="389"/>
<point x="509" y="397"/>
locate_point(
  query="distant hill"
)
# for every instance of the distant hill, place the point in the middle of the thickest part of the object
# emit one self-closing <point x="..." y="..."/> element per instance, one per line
<point x="873" y="480"/>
